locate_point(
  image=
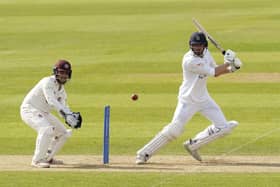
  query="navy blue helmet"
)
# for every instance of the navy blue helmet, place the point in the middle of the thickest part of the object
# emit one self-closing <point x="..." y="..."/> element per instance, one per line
<point x="198" y="38"/>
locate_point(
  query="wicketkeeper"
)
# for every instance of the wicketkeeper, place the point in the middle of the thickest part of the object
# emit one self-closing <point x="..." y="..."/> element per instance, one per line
<point x="198" y="64"/>
<point x="36" y="109"/>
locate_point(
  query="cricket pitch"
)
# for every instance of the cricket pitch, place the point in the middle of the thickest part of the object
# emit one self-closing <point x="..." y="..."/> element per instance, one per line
<point x="178" y="164"/>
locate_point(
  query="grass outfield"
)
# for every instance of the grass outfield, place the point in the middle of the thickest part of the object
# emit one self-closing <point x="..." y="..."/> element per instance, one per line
<point x="120" y="47"/>
<point x="139" y="179"/>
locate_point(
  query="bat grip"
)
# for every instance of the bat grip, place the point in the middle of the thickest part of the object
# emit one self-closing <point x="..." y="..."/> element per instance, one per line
<point x="223" y="52"/>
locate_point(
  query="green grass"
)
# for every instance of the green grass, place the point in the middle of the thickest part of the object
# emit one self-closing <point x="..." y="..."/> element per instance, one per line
<point x="137" y="179"/>
<point x="120" y="47"/>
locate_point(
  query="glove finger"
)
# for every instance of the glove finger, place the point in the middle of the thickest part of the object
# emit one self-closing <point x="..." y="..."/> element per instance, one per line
<point x="237" y="62"/>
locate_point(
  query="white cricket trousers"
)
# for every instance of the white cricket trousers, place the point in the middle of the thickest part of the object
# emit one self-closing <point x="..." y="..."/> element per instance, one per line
<point x="186" y="110"/>
<point x="183" y="113"/>
<point x="47" y="126"/>
<point x="209" y="109"/>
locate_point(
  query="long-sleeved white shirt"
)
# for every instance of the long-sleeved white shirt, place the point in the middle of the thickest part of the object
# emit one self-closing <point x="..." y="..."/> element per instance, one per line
<point x="195" y="73"/>
<point x="47" y="95"/>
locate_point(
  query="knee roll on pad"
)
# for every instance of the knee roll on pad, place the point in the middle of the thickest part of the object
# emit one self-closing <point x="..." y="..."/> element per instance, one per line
<point x="211" y="133"/>
<point x="232" y="124"/>
<point x="229" y="125"/>
<point x="173" y="130"/>
<point x="65" y="135"/>
<point x="47" y="131"/>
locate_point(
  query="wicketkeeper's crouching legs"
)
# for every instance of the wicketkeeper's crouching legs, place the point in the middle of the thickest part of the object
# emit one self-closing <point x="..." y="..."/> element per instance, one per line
<point x="58" y="140"/>
<point x="45" y="134"/>
<point x="52" y="135"/>
<point x="56" y="144"/>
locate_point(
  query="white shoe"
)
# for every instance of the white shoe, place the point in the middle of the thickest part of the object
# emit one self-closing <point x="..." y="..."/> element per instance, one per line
<point x="55" y="162"/>
<point x="40" y="164"/>
<point x="194" y="153"/>
<point x="141" y="159"/>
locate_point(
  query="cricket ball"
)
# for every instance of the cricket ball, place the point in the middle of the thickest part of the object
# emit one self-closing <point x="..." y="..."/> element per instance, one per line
<point x="134" y="97"/>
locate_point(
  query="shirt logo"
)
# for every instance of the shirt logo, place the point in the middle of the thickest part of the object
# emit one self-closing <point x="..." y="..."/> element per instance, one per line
<point x="202" y="76"/>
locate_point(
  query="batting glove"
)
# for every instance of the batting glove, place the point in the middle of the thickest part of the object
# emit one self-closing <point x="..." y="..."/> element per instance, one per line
<point x="229" y="56"/>
<point x="235" y="65"/>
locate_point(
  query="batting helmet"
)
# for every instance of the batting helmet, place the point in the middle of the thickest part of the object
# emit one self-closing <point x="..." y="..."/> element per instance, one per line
<point x="198" y="43"/>
<point x="198" y="38"/>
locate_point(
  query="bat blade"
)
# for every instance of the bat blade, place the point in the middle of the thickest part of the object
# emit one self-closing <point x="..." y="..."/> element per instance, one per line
<point x="210" y="38"/>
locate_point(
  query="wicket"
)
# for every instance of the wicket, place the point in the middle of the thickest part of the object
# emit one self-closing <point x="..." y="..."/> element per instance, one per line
<point x="106" y="136"/>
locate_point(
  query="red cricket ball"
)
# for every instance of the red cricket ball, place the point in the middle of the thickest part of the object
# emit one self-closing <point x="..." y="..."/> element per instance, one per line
<point x="134" y="97"/>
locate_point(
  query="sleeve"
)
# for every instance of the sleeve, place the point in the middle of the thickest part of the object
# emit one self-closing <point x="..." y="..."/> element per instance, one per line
<point x="48" y="90"/>
<point x="198" y="67"/>
<point x="212" y="61"/>
<point x="63" y="99"/>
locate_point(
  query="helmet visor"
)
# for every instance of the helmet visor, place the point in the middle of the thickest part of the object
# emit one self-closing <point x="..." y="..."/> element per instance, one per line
<point x="62" y="75"/>
<point x="198" y="48"/>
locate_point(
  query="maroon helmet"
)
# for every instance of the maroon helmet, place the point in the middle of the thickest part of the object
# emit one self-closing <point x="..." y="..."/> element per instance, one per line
<point x="62" y="71"/>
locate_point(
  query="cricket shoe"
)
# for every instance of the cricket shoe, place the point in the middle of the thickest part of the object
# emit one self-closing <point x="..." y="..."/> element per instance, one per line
<point x="55" y="162"/>
<point x="40" y="164"/>
<point x="194" y="153"/>
<point x="141" y="159"/>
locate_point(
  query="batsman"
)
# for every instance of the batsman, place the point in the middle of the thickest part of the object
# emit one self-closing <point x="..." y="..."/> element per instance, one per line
<point x="49" y="94"/>
<point x="198" y="64"/>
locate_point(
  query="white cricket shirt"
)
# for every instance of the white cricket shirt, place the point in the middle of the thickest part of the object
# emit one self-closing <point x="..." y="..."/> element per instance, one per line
<point x="48" y="94"/>
<point x="195" y="73"/>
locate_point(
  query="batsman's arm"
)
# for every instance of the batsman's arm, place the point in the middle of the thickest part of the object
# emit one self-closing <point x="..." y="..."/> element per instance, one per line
<point x="222" y="69"/>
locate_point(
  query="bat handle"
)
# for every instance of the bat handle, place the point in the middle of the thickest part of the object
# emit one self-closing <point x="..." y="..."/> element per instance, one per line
<point x="223" y="52"/>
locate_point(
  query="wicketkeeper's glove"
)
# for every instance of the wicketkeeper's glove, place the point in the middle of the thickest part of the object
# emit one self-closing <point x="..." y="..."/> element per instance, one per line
<point x="73" y="119"/>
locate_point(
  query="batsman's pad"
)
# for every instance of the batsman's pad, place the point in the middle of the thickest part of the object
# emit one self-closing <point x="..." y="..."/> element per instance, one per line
<point x="154" y="145"/>
<point x="210" y="134"/>
<point x="74" y="120"/>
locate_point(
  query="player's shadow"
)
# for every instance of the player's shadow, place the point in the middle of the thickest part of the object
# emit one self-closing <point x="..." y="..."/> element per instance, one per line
<point x="161" y="166"/>
<point x="146" y="167"/>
